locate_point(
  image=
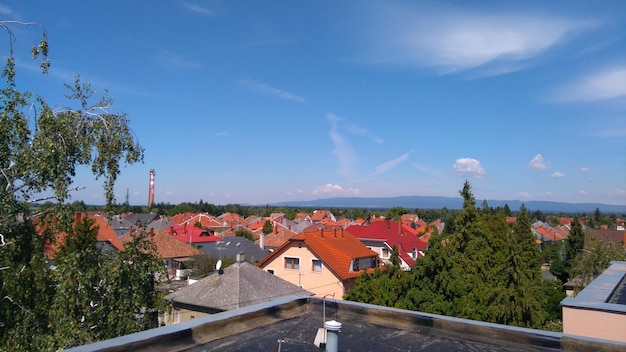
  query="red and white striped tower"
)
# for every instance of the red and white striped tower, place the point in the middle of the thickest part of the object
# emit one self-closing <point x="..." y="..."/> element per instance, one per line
<point x="151" y="191"/>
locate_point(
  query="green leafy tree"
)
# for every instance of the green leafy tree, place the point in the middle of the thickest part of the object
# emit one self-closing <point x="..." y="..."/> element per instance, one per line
<point x="576" y="239"/>
<point x="593" y="260"/>
<point x="483" y="270"/>
<point x="267" y="228"/>
<point x="244" y="234"/>
<point x="40" y="151"/>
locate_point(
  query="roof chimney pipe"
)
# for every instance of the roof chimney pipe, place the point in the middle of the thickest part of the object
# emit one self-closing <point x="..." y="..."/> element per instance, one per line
<point x="333" y="328"/>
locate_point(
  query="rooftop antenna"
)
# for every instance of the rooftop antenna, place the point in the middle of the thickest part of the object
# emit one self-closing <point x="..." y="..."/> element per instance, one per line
<point x="218" y="267"/>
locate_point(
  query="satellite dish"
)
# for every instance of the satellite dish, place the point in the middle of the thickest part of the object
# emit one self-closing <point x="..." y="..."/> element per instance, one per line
<point x="218" y="265"/>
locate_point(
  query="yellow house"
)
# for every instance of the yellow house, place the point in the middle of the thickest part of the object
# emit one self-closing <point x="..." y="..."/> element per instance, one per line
<point x="324" y="262"/>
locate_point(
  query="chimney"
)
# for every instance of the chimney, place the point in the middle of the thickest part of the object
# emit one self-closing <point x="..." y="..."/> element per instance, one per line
<point x="262" y="241"/>
<point x="333" y="328"/>
<point x="78" y="216"/>
<point x="151" y="232"/>
<point x="321" y="232"/>
<point x="275" y="228"/>
<point x="172" y="230"/>
<point x="151" y="190"/>
<point x="130" y="229"/>
<point x="335" y="232"/>
<point x="185" y="228"/>
<point x="241" y="257"/>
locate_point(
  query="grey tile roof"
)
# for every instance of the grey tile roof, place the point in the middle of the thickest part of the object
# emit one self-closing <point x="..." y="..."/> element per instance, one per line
<point x="229" y="247"/>
<point x="241" y="285"/>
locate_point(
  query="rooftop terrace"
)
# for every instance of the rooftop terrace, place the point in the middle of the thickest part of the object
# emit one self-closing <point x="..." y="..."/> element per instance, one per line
<point x="295" y="322"/>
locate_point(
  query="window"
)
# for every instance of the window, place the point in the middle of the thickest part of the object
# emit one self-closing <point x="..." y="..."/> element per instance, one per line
<point x="316" y="265"/>
<point x="355" y="265"/>
<point x="385" y="252"/>
<point x="292" y="263"/>
<point x="271" y="271"/>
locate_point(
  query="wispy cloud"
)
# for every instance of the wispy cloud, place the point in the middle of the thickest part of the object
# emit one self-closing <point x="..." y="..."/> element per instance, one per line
<point x="524" y="195"/>
<point x="362" y="131"/>
<point x="5" y="10"/>
<point x="584" y="170"/>
<point x="264" y="88"/>
<point x="602" y="85"/>
<point x="177" y="60"/>
<point x="455" y="39"/>
<point x="389" y="165"/>
<point x="468" y="167"/>
<point x="331" y="190"/>
<point x="199" y="9"/>
<point x="537" y="163"/>
<point x="557" y="175"/>
<point x="222" y="134"/>
<point x="343" y="150"/>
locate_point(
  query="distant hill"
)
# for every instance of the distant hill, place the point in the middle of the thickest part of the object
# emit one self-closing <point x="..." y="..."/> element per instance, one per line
<point x="425" y="202"/>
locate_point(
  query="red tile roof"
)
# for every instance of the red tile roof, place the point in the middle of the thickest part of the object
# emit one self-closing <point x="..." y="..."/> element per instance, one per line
<point x="394" y="234"/>
<point x="188" y="233"/>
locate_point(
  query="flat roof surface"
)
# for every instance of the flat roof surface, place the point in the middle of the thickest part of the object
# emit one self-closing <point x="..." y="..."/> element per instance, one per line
<point x="295" y="322"/>
<point x="298" y="334"/>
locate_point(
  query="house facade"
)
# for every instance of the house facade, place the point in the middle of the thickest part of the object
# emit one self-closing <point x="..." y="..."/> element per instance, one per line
<point x="325" y="263"/>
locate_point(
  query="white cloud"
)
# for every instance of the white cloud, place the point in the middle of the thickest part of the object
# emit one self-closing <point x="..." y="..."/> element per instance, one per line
<point x="454" y="39"/>
<point x="583" y="192"/>
<point x="343" y="150"/>
<point x="603" y="85"/>
<point x="468" y="167"/>
<point x="389" y="165"/>
<point x="537" y="163"/>
<point x="222" y="134"/>
<point x="331" y="190"/>
<point x="199" y="9"/>
<point x="557" y="174"/>
<point x="524" y="195"/>
<point x="169" y="193"/>
<point x="584" y="170"/>
<point x="263" y="88"/>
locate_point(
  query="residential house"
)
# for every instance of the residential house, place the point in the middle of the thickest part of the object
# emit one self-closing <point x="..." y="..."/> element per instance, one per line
<point x="160" y="224"/>
<point x="230" y="247"/>
<point x="319" y="215"/>
<point x="192" y="235"/>
<point x="174" y="252"/>
<point x="326" y="262"/>
<point x="204" y="220"/>
<point x="382" y="236"/>
<point x="120" y="225"/>
<point x="238" y="285"/>
<point x="107" y="239"/>
<point x="276" y="238"/>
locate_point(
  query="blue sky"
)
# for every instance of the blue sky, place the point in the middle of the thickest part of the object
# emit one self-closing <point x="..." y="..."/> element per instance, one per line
<point x="263" y="101"/>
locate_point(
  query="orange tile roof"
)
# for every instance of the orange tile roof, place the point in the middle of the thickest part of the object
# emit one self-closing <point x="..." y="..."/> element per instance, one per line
<point x="318" y="215"/>
<point x="105" y="234"/>
<point x="276" y="238"/>
<point x="167" y="246"/>
<point x="335" y="247"/>
<point x="205" y="220"/>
